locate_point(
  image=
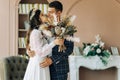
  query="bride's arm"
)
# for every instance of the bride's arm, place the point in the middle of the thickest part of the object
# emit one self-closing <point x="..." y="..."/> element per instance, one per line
<point x="39" y="47"/>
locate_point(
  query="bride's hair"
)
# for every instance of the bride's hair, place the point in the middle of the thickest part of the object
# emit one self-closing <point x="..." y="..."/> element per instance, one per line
<point x="34" y="22"/>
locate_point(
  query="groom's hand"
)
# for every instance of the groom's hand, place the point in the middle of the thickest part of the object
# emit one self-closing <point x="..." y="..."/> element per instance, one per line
<point x="47" y="62"/>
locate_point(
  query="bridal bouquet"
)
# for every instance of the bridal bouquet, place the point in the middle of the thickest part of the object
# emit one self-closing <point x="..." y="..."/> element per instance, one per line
<point x="64" y="30"/>
<point x="97" y="48"/>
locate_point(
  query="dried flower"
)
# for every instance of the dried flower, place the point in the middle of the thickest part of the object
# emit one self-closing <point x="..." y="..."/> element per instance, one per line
<point x="64" y="29"/>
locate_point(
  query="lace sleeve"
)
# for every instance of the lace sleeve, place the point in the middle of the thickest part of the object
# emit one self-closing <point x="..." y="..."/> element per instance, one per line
<point x="36" y="41"/>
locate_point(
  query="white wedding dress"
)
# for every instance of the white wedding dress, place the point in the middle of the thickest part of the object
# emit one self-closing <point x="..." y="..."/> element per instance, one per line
<point x="39" y="44"/>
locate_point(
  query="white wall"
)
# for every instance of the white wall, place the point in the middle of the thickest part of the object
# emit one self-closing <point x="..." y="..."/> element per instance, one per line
<point x="93" y="17"/>
<point x="4" y="28"/>
<point x="8" y="27"/>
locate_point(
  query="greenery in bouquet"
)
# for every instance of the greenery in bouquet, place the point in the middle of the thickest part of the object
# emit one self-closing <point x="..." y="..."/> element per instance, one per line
<point x="97" y="48"/>
<point x="64" y="30"/>
<point x="65" y="27"/>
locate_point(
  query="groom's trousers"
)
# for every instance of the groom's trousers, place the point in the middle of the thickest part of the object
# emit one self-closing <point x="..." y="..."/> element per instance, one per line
<point x="56" y="75"/>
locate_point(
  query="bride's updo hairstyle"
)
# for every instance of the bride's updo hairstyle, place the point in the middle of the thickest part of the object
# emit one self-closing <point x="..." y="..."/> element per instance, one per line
<point x="34" y="22"/>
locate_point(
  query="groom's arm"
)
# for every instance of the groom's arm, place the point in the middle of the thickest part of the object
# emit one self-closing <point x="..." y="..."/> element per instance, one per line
<point x="55" y="59"/>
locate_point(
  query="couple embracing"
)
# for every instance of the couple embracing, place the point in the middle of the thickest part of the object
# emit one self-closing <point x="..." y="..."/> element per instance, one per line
<point x="46" y="62"/>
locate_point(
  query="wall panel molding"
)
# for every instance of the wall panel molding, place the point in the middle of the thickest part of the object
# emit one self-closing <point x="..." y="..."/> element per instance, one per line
<point x="14" y="27"/>
<point x="72" y="6"/>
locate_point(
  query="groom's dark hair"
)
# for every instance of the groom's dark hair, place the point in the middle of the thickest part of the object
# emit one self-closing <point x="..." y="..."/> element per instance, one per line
<point x="57" y="5"/>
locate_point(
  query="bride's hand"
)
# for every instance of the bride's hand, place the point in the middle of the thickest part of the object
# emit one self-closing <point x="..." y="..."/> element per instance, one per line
<point x="46" y="62"/>
<point x="30" y="53"/>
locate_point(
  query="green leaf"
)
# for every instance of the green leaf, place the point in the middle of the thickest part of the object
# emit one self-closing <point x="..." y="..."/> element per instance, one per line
<point x="104" y="60"/>
<point x="106" y="54"/>
<point x="91" y="53"/>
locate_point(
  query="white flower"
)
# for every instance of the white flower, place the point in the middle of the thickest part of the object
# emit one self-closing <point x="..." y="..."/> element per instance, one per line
<point x="94" y="44"/>
<point x="72" y="18"/>
<point x="86" y="50"/>
<point x="98" y="50"/>
<point x="58" y="30"/>
<point x="63" y="31"/>
<point x="98" y="38"/>
<point x="101" y="44"/>
<point x="105" y="54"/>
<point x="74" y="39"/>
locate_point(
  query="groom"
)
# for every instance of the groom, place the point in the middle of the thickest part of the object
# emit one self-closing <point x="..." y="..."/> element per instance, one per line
<point x="58" y="61"/>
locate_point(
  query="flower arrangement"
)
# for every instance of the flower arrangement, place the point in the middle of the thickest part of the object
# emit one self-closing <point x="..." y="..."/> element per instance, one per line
<point x="97" y="48"/>
<point x="64" y="30"/>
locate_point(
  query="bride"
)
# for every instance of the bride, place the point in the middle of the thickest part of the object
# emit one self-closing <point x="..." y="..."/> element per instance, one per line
<point x="38" y="43"/>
